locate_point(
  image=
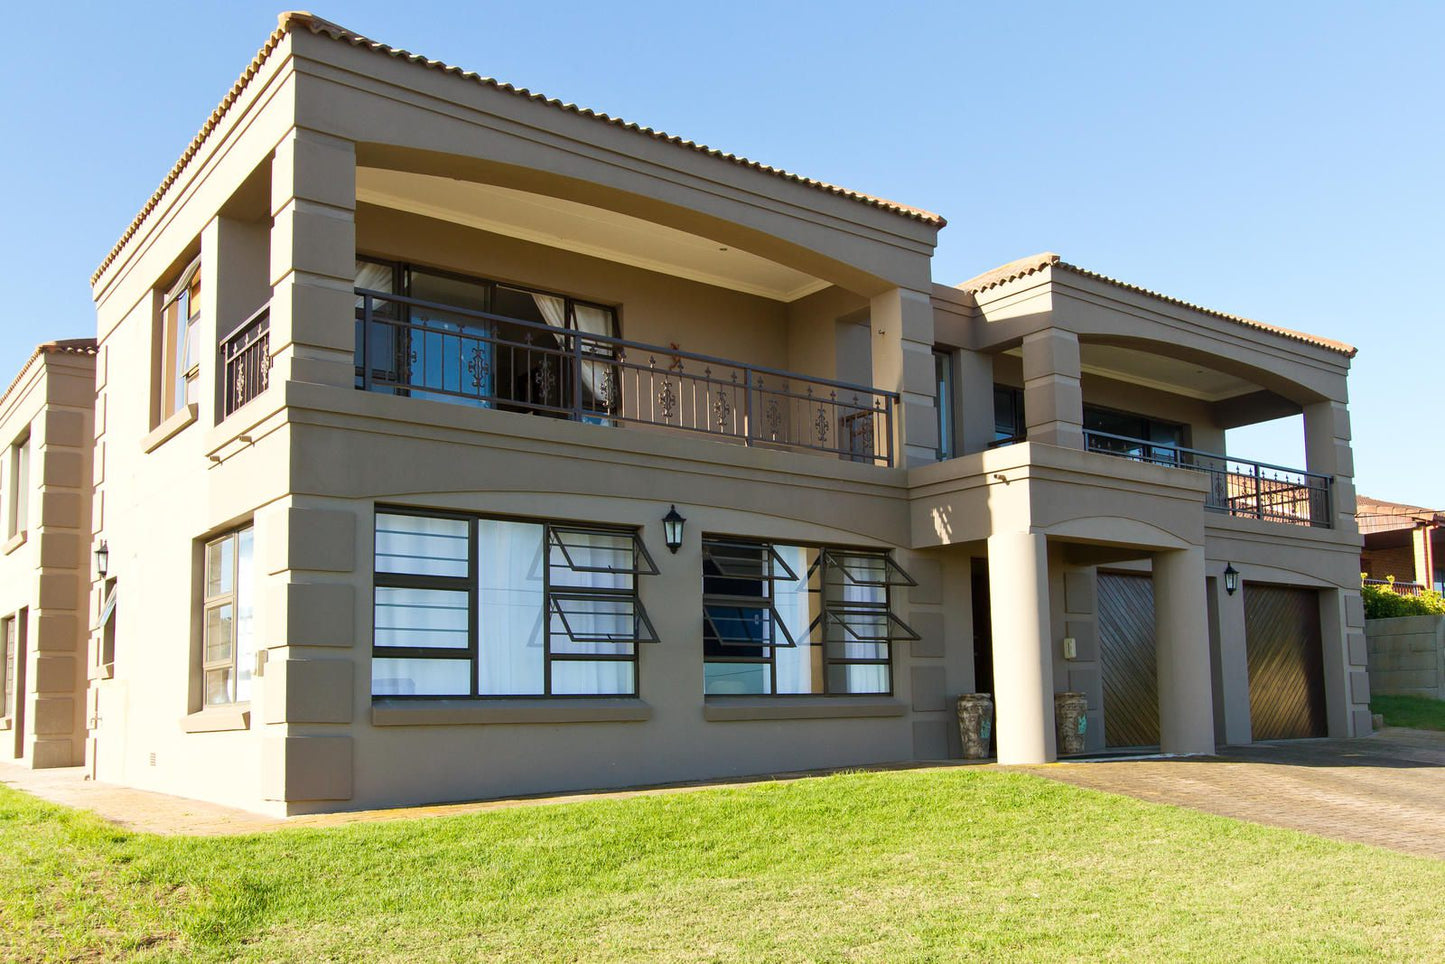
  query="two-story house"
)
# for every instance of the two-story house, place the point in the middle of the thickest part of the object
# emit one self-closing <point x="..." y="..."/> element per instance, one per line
<point x="453" y="442"/>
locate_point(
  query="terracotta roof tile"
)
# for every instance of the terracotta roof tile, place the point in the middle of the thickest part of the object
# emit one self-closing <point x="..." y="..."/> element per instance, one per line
<point x="1024" y="267"/>
<point x="1377" y="515"/>
<point x="66" y="346"/>
<point x="316" y="25"/>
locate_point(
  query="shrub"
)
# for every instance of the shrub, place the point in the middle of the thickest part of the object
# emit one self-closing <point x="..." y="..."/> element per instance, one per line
<point x="1382" y="602"/>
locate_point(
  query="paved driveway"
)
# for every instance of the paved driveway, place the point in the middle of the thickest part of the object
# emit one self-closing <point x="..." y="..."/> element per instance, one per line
<point x="1387" y="790"/>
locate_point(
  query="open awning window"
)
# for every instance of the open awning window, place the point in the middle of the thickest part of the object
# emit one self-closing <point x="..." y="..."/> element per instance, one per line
<point x="746" y="622"/>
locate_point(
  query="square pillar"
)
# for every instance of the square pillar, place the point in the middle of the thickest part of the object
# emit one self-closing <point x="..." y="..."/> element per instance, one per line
<point x="1053" y="400"/>
<point x="1023" y="672"/>
<point x="902" y="325"/>
<point x="313" y="259"/>
<point x="1181" y="639"/>
<point x="1328" y="453"/>
<point x="1230" y="664"/>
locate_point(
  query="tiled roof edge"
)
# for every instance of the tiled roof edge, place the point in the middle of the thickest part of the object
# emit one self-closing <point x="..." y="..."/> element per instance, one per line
<point x="297" y="18"/>
<point x="1024" y="267"/>
<point x="66" y="346"/>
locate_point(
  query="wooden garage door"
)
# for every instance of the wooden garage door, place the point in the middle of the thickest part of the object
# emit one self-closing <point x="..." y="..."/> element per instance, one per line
<point x="1286" y="662"/>
<point x="1126" y="651"/>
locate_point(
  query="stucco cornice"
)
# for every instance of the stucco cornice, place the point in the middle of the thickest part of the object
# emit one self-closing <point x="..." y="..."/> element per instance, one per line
<point x="1048" y="260"/>
<point x="301" y="20"/>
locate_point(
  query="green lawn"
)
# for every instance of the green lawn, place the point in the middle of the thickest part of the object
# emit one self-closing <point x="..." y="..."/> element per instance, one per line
<point x="923" y="865"/>
<point x="1416" y="712"/>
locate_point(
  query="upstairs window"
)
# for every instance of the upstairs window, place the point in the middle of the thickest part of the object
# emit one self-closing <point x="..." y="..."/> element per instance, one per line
<point x="1009" y="425"/>
<point x="1129" y="435"/>
<point x="780" y="619"/>
<point x="180" y="342"/>
<point x="943" y="384"/>
<point x="228" y="642"/>
<point x="475" y="607"/>
<point x="483" y="343"/>
<point x="19" y="507"/>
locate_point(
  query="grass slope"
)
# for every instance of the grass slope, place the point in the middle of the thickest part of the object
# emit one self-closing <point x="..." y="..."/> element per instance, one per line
<point x="1416" y="712"/>
<point x="929" y="865"/>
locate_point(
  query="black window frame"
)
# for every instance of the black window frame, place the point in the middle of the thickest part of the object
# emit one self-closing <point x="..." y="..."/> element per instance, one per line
<point x="643" y="565"/>
<point x="823" y="571"/>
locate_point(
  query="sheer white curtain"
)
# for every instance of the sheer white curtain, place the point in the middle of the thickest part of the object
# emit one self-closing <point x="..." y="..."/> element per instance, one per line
<point x="865" y="679"/>
<point x="510" y="608"/>
<point x="797" y="666"/>
<point x="590" y="321"/>
<point x="594" y="550"/>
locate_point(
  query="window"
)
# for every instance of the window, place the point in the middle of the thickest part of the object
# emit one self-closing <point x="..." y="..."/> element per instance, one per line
<point x="19" y="487"/>
<point x="228" y="645"/>
<point x="181" y="347"/>
<point x="476" y="607"/>
<point x="482" y="342"/>
<point x="107" y="624"/>
<point x="1009" y="425"/>
<point x="943" y="380"/>
<point x="781" y="619"/>
<point x="1131" y="433"/>
<point x="7" y="666"/>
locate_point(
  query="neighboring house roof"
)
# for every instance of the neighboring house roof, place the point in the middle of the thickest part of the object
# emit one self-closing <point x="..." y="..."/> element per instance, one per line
<point x="67" y="346"/>
<point x="300" y="18"/>
<point x="1024" y="267"/>
<point x="1377" y="515"/>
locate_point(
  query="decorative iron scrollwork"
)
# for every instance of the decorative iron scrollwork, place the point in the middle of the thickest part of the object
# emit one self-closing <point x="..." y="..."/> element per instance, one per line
<point x="608" y="392"/>
<point x="820" y="425"/>
<point x="722" y="408"/>
<point x="667" y="399"/>
<point x="773" y="415"/>
<point x="477" y="366"/>
<point x="546" y="381"/>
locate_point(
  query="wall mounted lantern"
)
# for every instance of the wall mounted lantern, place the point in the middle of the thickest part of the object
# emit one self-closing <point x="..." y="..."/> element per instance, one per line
<point x="672" y="524"/>
<point x="102" y="558"/>
<point x="1231" y="578"/>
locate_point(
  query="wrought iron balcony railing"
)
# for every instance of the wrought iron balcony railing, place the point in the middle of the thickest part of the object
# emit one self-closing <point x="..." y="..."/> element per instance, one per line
<point x="421" y="349"/>
<point x="1252" y="490"/>
<point x="246" y="362"/>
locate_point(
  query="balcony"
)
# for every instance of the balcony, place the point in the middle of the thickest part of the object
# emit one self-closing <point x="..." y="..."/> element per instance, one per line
<point x="1237" y="487"/>
<point x="420" y="349"/>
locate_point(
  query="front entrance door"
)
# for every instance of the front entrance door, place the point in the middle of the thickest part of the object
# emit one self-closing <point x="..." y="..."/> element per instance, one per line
<point x="1126" y="654"/>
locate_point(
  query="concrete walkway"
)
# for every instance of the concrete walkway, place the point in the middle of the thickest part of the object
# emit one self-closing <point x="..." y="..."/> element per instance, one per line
<point x="1387" y="790"/>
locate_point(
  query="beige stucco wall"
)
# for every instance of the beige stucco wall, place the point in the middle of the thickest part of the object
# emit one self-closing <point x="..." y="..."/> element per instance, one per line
<point x="308" y="460"/>
<point x="42" y="567"/>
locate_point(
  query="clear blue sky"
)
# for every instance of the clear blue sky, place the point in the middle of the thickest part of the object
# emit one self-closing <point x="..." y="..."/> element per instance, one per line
<point x="1277" y="160"/>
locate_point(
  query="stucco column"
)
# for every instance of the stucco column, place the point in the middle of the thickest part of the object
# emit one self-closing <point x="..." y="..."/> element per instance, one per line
<point x="1231" y="663"/>
<point x="1181" y="633"/>
<point x="973" y="400"/>
<point x="902" y="325"/>
<point x="1328" y="453"/>
<point x="1018" y="579"/>
<point x="313" y="259"/>
<point x="1053" y="401"/>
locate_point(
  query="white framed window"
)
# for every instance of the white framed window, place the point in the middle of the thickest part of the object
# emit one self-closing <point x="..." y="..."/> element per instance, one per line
<point x="473" y="607"/>
<point x="180" y="342"/>
<point x="228" y="646"/>
<point x="19" y="502"/>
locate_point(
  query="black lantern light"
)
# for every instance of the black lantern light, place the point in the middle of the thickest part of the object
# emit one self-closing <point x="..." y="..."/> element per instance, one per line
<point x="672" y="524"/>
<point x="1231" y="578"/>
<point x="102" y="558"/>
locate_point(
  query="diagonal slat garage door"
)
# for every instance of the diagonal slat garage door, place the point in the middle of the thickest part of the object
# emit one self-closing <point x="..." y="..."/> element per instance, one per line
<point x="1286" y="662"/>
<point x="1126" y="652"/>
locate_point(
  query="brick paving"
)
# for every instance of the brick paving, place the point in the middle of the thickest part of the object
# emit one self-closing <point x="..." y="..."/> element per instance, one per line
<point x="1387" y="790"/>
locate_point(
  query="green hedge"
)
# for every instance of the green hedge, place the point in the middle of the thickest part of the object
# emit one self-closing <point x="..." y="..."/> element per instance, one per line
<point x="1382" y="602"/>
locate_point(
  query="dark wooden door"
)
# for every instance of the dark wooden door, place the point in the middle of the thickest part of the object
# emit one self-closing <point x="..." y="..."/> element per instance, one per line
<point x="1286" y="662"/>
<point x="1126" y="654"/>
